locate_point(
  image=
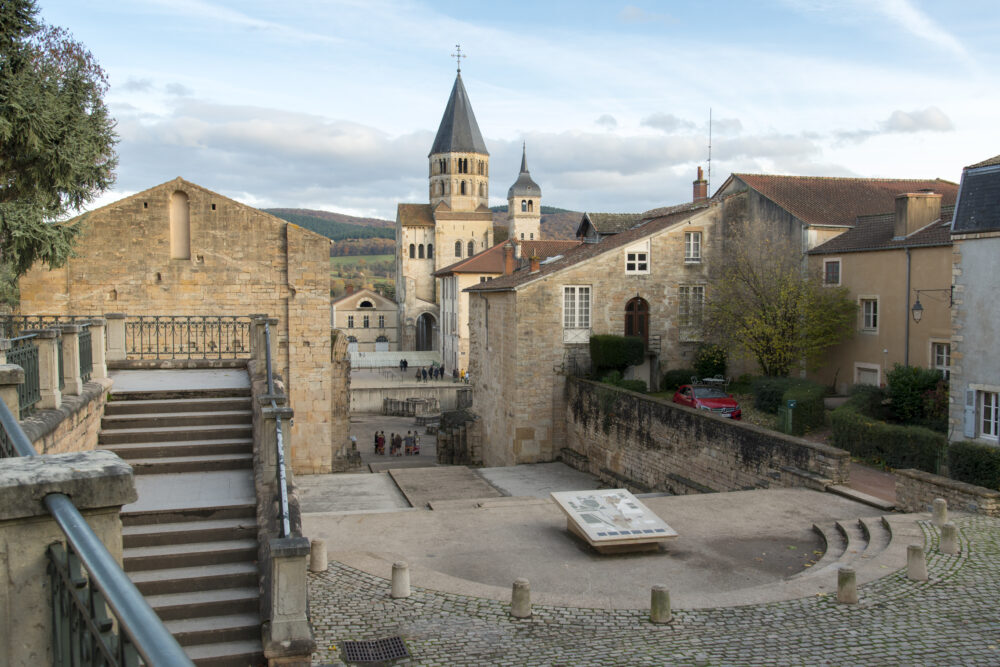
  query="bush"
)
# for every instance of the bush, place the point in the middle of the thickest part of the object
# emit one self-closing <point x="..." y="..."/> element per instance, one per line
<point x="908" y="387"/>
<point x="615" y="378"/>
<point x="974" y="463"/>
<point x="675" y="378"/>
<point x="709" y="360"/>
<point x="887" y="444"/>
<point x="767" y="393"/>
<point x="810" y="412"/>
<point x="869" y="400"/>
<point x="742" y="385"/>
<point x="616" y="352"/>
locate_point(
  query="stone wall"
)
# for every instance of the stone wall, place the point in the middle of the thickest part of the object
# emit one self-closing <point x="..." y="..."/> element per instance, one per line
<point x="74" y="426"/>
<point x="370" y="399"/>
<point x="648" y="444"/>
<point x="916" y="491"/>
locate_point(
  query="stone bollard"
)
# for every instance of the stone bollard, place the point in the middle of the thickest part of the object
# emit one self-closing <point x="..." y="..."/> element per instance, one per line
<point x="939" y="512"/>
<point x="520" y="599"/>
<point x="949" y="539"/>
<point x="659" y="604"/>
<point x="317" y="556"/>
<point x="400" y="580"/>
<point x="847" y="586"/>
<point x="916" y="566"/>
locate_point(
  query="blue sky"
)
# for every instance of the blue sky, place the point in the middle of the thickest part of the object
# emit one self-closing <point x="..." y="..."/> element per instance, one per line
<point x="334" y="105"/>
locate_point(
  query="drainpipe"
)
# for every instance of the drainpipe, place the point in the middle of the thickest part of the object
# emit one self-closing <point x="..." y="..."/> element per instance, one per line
<point x="906" y="313"/>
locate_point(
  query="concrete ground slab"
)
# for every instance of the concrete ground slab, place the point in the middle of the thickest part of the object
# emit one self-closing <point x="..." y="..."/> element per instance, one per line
<point x="192" y="490"/>
<point x="423" y="485"/>
<point x="170" y="380"/>
<point x="727" y="542"/>
<point x="538" y="479"/>
<point x="348" y="493"/>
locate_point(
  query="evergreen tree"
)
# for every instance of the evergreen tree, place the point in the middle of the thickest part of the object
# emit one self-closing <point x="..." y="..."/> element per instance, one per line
<point x="57" y="140"/>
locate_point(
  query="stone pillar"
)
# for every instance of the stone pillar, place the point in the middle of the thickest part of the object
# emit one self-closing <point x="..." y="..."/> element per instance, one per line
<point x="939" y="512"/>
<point x="258" y="345"/>
<point x="48" y="341"/>
<point x="115" y="336"/>
<point x="72" y="381"/>
<point x="400" y="580"/>
<point x="949" y="539"/>
<point x="99" y="483"/>
<point x="5" y="346"/>
<point x="916" y="565"/>
<point x="269" y="438"/>
<point x="659" y="605"/>
<point x="11" y="377"/>
<point x="317" y="556"/>
<point x="98" y="343"/>
<point x="520" y="599"/>
<point x="847" y="586"/>
<point x="287" y="635"/>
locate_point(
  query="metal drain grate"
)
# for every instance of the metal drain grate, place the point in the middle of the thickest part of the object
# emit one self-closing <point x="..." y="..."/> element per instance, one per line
<point x="378" y="650"/>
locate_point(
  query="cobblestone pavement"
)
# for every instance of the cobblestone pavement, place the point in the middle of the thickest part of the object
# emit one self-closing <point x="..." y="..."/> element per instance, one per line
<point x="951" y="619"/>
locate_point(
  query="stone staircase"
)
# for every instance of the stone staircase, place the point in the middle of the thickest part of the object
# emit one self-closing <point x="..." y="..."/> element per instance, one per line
<point x="190" y="545"/>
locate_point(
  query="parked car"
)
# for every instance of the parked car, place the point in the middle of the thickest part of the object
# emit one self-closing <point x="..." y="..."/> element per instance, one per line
<point x="704" y="397"/>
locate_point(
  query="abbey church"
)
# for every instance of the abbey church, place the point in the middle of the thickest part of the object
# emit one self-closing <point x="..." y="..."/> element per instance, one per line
<point x="456" y="223"/>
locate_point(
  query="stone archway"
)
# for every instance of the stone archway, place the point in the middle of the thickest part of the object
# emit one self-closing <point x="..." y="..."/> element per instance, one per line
<point x="427" y="332"/>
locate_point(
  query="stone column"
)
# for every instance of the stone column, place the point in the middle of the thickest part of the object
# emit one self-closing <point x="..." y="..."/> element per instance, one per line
<point x="5" y="346"/>
<point x="116" y="336"/>
<point x="11" y="377"/>
<point x="99" y="483"/>
<point x="48" y="342"/>
<point x="287" y="634"/>
<point x="258" y="344"/>
<point x="73" y="383"/>
<point x="269" y="438"/>
<point x="98" y="343"/>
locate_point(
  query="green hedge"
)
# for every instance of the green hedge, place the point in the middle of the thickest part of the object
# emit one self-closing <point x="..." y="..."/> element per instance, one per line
<point x="675" y="378"/>
<point x="810" y="412"/>
<point x="974" y="463"/>
<point x="887" y="444"/>
<point x="615" y="378"/>
<point x="768" y="391"/>
<point x="710" y="360"/>
<point x="616" y="352"/>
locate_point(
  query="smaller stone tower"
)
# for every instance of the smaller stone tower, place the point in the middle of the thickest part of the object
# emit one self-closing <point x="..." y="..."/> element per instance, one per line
<point x="524" y="205"/>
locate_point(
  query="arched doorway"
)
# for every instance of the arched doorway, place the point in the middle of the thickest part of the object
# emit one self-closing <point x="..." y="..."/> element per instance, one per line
<point x="426" y="332"/>
<point x="637" y="318"/>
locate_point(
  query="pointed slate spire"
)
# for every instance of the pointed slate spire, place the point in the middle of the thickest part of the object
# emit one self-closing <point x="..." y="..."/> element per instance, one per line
<point x="524" y="186"/>
<point x="459" y="132"/>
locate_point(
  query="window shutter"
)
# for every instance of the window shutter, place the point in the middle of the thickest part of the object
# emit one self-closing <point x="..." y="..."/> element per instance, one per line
<point x="970" y="413"/>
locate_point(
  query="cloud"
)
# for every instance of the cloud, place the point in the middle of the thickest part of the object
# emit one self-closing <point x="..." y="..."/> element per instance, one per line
<point x="207" y="11"/>
<point x="607" y="121"/>
<point x="133" y="85"/>
<point x="666" y="122"/>
<point x="931" y="119"/>
<point x="633" y="14"/>
<point x="917" y="23"/>
<point x="726" y="126"/>
<point x="178" y="90"/>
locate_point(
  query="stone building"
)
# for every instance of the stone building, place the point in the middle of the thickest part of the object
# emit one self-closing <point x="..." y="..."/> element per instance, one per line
<point x="890" y="262"/>
<point x="526" y="329"/>
<point x="975" y="373"/>
<point x="524" y="205"/>
<point x="368" y="319"/>
<point x="180" y="249"/>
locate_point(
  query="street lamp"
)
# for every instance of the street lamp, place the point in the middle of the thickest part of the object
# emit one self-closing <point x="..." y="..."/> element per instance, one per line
<point x="918" y="310"/>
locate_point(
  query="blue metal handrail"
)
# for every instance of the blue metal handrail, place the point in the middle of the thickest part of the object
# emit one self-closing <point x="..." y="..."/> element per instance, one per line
<point x="286" y="529"/>
<point x="142" y="627"/>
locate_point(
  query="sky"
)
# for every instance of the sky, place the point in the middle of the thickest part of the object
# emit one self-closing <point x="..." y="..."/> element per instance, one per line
<point x="333" y="105"/>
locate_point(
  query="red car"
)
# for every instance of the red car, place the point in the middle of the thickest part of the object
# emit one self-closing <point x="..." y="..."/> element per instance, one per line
<point x="703" y="397"/>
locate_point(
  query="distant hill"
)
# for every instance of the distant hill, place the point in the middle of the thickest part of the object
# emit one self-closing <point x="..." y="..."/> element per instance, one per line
<point x="556" y="223"/>
<point x="330" y="215"/>
<point x="336" y="226"/>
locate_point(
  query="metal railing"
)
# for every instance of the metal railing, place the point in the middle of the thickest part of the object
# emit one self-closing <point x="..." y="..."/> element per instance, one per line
<point x="286" y="529"/>
<point x="187" y="337"/>
<point x="84" y="632"/>
<point x="24" y="353"/>
<point x="12" y="325"/>
<point x="86" y="355"/>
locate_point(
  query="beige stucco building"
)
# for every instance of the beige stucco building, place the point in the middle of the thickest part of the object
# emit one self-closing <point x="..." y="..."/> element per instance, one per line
<point x="180" y="249"/>
<point x="369" y="320"/>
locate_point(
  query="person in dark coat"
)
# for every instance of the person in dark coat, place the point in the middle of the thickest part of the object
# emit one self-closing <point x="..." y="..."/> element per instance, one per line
<point x="425" y="374"/>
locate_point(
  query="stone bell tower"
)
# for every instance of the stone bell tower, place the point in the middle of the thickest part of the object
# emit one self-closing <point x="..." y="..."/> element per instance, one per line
<point x="524" y="204"/>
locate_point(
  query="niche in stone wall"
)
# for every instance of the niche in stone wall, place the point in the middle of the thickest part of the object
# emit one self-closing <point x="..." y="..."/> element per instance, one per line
<point x="180" y="226"/>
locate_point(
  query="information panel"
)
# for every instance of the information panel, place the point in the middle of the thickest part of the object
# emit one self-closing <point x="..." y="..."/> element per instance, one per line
<point x="612" y="518"/>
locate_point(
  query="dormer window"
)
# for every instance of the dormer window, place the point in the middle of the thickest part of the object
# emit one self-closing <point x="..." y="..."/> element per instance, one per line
<point x="366" y="304"/>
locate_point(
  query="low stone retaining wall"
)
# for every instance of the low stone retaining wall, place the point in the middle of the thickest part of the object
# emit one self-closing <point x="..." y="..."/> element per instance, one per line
<point x="74" y="425"/>
<point x="916" y="491"/>
<point x="411" y="407"/>
<point x="649" y="444"/>
<point x="370" y="399"/>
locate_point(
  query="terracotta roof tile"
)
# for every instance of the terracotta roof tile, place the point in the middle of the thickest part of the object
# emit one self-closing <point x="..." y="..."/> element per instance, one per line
<point x="613" y="223"/>
<point x="876" y="232"/>
<point x="825" y="200"/>
<point x="491" y="259"/>
<point x="414" y="215"/>
<point x="993" y="161"/>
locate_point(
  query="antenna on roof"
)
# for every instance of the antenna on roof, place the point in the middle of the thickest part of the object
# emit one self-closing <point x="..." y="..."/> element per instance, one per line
<point x="709" y="189"/>
<point x="458" y="55"/>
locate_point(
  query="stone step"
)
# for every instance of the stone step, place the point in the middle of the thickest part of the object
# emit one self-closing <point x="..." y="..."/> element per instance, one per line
<point x="174" y="394"/>
<point x="169" y="434"/>
<point x="857" y="542"/>
<point x="861" y="497"/>
<point x="175" y="515"/>
<point x="122" y="407"/>
<point x="150" y="450"/>
<point x="177" y="464"/>
<point x="215" y="629"/>
<point x="227" y="654"/>
<point x="198" y="604"/>
<point x="200" y="578"/>
<point x="176" y="419"/>
<point x="834" y="545"/>
<point x="189" y="555"/>
<point x="184" y="532"/>
<point x="877" y="534"/>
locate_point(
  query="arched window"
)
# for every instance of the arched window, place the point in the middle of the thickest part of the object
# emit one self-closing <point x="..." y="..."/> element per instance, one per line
<point x="352" y="339"/>
<point x="430" y="251"/>
<point x="463" y="187"/>
<point x="524" y="205"/>
<point x="413" y="251"/>
<point x="531" y="206"/>
<point x="472" y="248"/>
<point x="458" y="248"/>
<point x="366" y="304"/>
<point x="481" y="190"/>
<point x="637" y="318"/>
<point x="420" y="251"/>
<point x="381" y="339"/>
<point x="180" y="226"/>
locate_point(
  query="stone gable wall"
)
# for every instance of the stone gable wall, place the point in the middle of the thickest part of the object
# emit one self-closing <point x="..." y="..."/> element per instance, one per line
<point x="648" y="444"/>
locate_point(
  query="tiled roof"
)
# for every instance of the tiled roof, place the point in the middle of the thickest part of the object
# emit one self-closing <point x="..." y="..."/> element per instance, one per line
<point x="979" y="208"/>
<point x="585" y="251"/>
<point x="840" y="201"/>
<point x="986" y="163"/>
<point x="414" y="215"/>
<point x="491" y="259"/>
<point x="876" y="232"/>
<point x="669" y="210"/>
<point x="613" y="223"/>
<point x="459" y="131"/>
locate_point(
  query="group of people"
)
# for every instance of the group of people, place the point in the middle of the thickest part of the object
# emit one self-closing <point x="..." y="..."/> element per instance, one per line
<point x="398" y="444"/>
<point x="433" y="373"/>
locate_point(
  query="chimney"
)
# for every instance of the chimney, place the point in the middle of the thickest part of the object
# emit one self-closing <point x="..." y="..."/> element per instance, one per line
<point x="700" y="187"/>
<point x="508" y="258"/>
<point x="915" y="210"/>
<point x="517" y="250"/>
<point x="348" y="289"/>
<point x="535" y="265"/>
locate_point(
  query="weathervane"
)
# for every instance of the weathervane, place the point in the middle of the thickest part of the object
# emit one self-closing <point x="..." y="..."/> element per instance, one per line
<point x="458" y="55"/>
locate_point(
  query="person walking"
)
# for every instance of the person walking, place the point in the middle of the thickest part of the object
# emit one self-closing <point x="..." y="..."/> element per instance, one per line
<point x="418" y="375"/>
<point x="376" y="442"/>
<point x="416" y="443"/>
<point x="408" y="444"/>
<point x="425" y="374"/>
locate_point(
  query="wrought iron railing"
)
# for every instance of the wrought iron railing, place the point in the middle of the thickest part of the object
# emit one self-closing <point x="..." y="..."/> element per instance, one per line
<point x="24" y="353"/>
<point x="11" y="326"/>
<point x="187" y="337"/>
<point x="89" y="587"/>
<point x="86" y="355"/>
